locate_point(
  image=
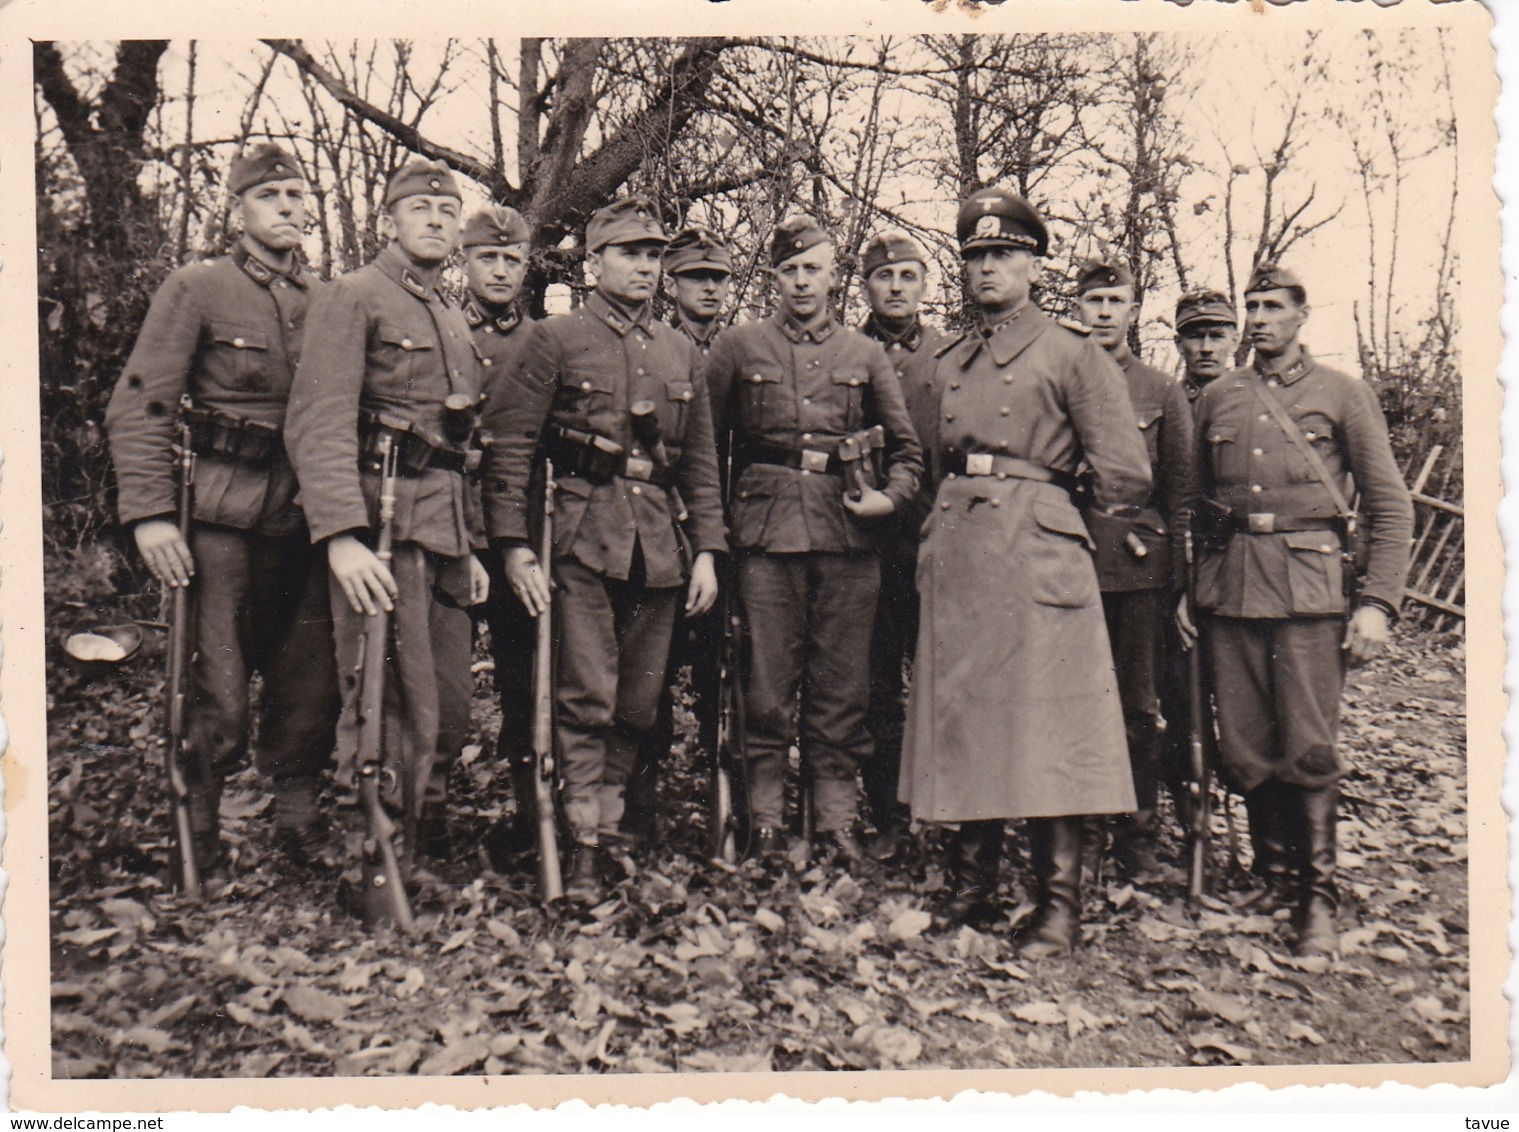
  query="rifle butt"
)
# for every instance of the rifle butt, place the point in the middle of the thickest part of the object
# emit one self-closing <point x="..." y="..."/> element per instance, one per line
<point x="385" y="902"/>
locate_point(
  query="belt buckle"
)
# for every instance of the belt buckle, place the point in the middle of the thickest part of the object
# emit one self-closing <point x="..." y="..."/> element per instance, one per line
<point x="1262" y="522"/>
<point x="639" y="468"/>
<point x="814" y="461"/>
<point x="978" y="463"/>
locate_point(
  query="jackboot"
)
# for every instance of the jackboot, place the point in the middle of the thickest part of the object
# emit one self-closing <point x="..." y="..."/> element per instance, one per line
<point x="1319" y="897"/>
<point x="583" y="883"/>
<point x="975" y="858"/>
<point x="1270" y="812"/>
<point x="300" y="831"/>
<point x="640" y="815"/>
<point x="205" y="801"/>
<point x="1094" y="849"/>
<point x="1055" y="846"/>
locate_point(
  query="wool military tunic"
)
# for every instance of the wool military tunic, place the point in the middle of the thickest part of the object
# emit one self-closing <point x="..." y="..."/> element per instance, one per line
<point x="914" y="355"/>
<point x="383" y="340"/>
<point x="775" y="384"/>
<point x="583" y="371"/>
<point x="1165" y="420"/>
<point x="228" y="332"/>
<point x="1014" y="710"/>
<point x="1247" y="463"/>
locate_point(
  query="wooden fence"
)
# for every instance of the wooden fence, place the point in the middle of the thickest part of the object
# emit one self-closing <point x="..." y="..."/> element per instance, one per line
<point x="1436" y="593"/>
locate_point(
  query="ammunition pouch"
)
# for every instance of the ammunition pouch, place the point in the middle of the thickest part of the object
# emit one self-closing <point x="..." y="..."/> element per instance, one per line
<point x="415" y="452"/>
<point x="599" y="459"/>
<point x="217" y="433"/>
<point x="860" y="455"/>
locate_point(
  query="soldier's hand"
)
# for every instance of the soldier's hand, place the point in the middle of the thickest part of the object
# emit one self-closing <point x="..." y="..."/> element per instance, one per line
<point x="366" y="582"/>
<point x="702" y="594"/>
<point x="479" y="581"/>
<point x="1367" y="632"/>
<point x="873" y="504"/>
<point x="527" y="579"/>
<point x="165" y="552"/>
<point x="1186" y="628"/>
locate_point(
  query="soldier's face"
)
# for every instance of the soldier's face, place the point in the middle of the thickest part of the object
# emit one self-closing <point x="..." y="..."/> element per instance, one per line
<point x="1109" y="311"/>
<point x="1000" y="278"/>
<point x="273" y="215"/>
<point x="1273" y="320"/>
<point x="804" y="281"/>
<point x="894" y="290"/>
<point x="495" y="273"/>
<point x="426" y="227"/>
<point x="627" y="272"/>
<point x="1207" y="350"/>
<point x="700" y="294"/>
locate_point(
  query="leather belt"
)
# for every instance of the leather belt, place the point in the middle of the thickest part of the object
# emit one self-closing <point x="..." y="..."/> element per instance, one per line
<point x="585" y="459"/>
<point x="815" y="460"/>
<point x="415" y="453"/>
<point x="1268" y="523"/>
<point x="1005" y="467"/>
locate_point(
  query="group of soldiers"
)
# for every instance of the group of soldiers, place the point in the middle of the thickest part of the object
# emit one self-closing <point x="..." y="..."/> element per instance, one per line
<point x="1006" y="514"/>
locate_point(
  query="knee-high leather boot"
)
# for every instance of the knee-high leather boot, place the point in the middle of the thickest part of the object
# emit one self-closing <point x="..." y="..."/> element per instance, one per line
<point x="1055" y="845"/>
<point x="1319" y="895"/>
<point x="1271" y="812"/>
<point x="975" y="856"/>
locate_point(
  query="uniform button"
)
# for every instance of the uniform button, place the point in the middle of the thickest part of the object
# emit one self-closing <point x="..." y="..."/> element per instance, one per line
<point x="642" y="371"/>
<point x="757" y="378"/>
<point x="1256" y="488"/>
<point x="1004" y="410"/>
<point x="1273" y="383"/>
<point x="637" y="490"/>
<point x="949" y="416"/>
<point x="949" y="477"/>
<point x="291" y="324"/>
<point x="487" y="362"/>
<point x="1007" y="379"/>
<point x="945" y="505"/>
<point x="806" y="400"/>
<point x="1265" y="416"/>
<point x="585" y="386"/>
<point x="806" y="436"/>
<point x="239" y="343"/>
<point x="1325" y="547"/>
<point x="1257" y="452"/>
<point x="637" y="451"/>
<point x="805" y="472"/>
<point x="405" y="343"/>
<point x="954" y="385"/>
<point x="996" y="503"/>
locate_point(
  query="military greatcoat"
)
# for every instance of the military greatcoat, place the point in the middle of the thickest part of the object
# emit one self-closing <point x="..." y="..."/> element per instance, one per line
<point x="1014" y="709"/>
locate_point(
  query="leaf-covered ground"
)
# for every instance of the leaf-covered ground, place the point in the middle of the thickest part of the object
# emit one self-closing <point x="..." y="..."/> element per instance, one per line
<point x="693" y="966"/>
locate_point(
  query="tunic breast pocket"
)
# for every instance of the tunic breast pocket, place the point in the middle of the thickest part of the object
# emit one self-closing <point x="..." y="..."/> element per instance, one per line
<point x="1149" y="427"/>
<point x="594" y="401"/>
<point x="1058" y="557"/>
<point x="1315" y="573"/>
<point x="243" y="354"/>
<point x="1318" y="431"/>
<point x="761" y="382"/>
<point x="405" y="357"/>
<point x="1223" y="454"/>
<point x="850" y="383"/>
<point x="678" y="398"/>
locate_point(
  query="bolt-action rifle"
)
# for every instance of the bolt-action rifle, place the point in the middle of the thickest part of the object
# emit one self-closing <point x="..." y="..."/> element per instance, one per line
<point x="1199" y="781"/>
<point x="549" y="878"/>
<point x="177" y="689"/>
<point x="384" y="888"/>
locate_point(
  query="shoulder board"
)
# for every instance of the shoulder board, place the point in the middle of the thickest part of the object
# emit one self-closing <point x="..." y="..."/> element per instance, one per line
<point x="949" y="343"/>
<point x="1074" y="326"/>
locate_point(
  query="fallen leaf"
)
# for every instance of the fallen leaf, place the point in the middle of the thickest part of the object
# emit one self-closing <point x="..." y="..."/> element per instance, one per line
<point x="152" y="1039"/>
<point x="456" y="1056"/>
<point x="1301" y="1032"/>
<point x="683" y="1018"/>
<point x="897" y="1044"/>
<point x="1040" y="1013"/>
<point x="1231" y="1010"/>
<point x="503" y="932"/>
<point x="456" y="941"/>
<point x="909" y="924"/>
<point x="1217" y="1042"/>
<point x="768" y="920"/>
<point x="314" y="1005"/>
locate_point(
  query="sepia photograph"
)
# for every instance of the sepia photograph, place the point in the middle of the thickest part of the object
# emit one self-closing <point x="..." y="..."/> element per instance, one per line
<point x="921" y="548"/>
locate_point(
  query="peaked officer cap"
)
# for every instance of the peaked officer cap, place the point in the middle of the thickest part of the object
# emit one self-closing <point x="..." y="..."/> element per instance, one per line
<point x="996" y="218"/>
<point x="698" y="249"/>
<point x="420" y="178"/>
<point x="632" y="220"/>
<point x="1204" y="308"/>
<point x="259" y="165"/>
<point x="495" y="225"/>
<point x="793" y="236"/>
<point x="1096" y="274"/>
<point x="1272" y="277"/>
<point x="892" y="246"/>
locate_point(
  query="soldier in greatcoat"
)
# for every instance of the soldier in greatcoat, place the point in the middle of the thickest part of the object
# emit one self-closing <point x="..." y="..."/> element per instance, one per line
<point x="496" y="249"/>
<point x="637" y="517"/>
<point x="227" y="334"/>
<point x="1281" y="613"/>
<point x="1014" y="709"/>
<point x="1140" y="559"/>
<point x="389" y="356"/>
<point x="894" y="268"/>
<point x="698" y="270"/>
<point x="792" y="388"/>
